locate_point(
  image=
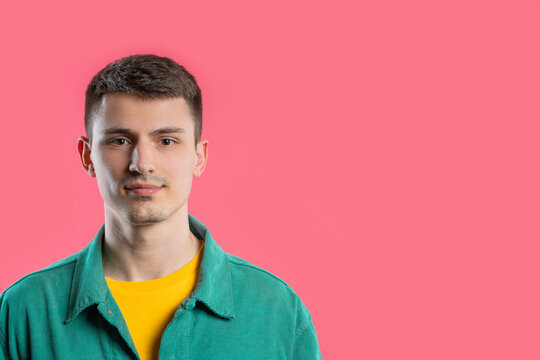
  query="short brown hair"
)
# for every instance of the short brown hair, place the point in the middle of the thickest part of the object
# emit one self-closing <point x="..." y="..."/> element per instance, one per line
<point x="148" y="77"/>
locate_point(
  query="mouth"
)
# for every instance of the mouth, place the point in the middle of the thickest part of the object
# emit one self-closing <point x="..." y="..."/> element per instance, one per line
<point x="143" y="189"/>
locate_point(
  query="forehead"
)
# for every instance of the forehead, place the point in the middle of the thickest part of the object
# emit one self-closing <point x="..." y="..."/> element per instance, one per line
<point x="130" y="111"/>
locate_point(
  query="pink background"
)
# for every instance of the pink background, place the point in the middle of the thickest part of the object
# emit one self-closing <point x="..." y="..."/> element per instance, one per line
<point x="381" y="157"/>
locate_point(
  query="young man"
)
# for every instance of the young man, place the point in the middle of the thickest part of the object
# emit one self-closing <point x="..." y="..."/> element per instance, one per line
<point x="153" y="283"/>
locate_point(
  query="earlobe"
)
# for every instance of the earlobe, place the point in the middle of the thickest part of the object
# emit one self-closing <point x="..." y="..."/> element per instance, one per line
<point x="91" y="171"/>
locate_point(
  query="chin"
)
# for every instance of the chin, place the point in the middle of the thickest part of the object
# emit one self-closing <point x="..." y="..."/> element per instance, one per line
<point x="146" y="217"/>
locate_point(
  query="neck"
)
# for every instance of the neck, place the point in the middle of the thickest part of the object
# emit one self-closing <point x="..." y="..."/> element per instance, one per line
<point x="146" y="252"/>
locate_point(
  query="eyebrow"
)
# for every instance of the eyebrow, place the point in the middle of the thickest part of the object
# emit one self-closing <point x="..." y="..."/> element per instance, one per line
<point x="165" y="130"/>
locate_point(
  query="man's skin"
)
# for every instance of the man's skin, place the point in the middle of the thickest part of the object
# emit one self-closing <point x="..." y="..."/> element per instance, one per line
<point x="147" y="236"/>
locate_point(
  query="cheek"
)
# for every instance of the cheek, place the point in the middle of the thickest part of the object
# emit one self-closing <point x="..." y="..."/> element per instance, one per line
<point x="109" y="170"/>
<point x="114" y="165"/>
<point x="182" y="173"/>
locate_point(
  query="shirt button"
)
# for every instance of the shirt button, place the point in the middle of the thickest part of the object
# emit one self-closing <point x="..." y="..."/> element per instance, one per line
<point x="109" y="311"/>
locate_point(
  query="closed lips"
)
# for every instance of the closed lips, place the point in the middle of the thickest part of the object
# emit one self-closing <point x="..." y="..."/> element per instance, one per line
<point x="142" y="186"/>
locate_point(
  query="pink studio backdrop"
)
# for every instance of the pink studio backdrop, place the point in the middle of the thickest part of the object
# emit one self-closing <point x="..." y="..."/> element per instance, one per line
<point x="381" y="157"/>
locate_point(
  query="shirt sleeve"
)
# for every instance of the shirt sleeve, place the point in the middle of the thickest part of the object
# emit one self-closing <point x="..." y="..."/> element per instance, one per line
<point x="3" y="355"/>
<point x="306" y="346"/>
<point x="3" y="350"/>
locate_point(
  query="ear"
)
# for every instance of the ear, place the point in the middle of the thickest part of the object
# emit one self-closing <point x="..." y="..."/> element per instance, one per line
<point x="84" y="148"/>
<point x="201" y="158"/>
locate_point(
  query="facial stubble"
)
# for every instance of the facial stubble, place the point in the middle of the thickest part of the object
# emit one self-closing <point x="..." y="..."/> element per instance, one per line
<point x="143" y="215"/>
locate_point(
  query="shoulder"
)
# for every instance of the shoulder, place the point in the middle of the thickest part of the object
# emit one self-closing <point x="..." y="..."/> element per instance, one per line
<point x="52" y="280"/>
<point x="239" y="265"/>
<point x="255" y="275"/>
<point x="260" y="288"/>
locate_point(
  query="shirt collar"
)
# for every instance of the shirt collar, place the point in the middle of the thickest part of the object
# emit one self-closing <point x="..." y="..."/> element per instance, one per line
<point x="214" y="287"/>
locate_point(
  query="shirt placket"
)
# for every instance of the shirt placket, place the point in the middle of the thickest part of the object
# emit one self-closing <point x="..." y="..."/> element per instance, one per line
<point x="114" y="317"/>
<point x="176" y="339"/>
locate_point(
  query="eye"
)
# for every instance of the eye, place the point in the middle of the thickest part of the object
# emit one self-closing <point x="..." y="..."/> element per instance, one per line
<point x="167" y="142"/>
<point x="118" y="141"/>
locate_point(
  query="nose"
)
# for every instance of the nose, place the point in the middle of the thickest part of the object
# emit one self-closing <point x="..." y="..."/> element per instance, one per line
<point x="142" y="159"/>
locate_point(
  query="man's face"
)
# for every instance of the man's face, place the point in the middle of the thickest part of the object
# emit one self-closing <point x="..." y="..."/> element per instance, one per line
<point x="139" y="143"/>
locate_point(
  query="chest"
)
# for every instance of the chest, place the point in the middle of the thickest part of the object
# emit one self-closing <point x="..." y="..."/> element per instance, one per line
<point x="190" y="335"/>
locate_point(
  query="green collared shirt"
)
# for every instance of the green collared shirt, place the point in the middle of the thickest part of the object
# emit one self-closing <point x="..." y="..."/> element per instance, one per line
<point x="237" y="311"/>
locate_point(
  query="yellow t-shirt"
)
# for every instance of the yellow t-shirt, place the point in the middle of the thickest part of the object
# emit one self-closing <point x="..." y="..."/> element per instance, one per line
<point x="148" y="306"/>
